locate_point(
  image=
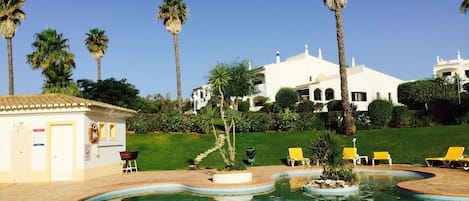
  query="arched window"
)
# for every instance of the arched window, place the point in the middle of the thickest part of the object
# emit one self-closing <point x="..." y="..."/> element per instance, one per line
<point x="317" y="94"/>
<point x="329" y="94"/>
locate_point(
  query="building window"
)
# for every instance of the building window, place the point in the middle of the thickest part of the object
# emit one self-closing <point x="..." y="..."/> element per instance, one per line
<point x="310" y="78"/>
<point x="329" y="94"/>
<point x="446" y="74"/>
<point x="358" y="96"/>
<point x="304" y="94"/>
<point x="389" y="97"/>
<point x="102" y="131"/>
<point x="201" y="94"/>
<point x="113" y="132"/>
<point x="467" y="73"/>
<point x="317" y="94"/>
<point x="378" y="96"/>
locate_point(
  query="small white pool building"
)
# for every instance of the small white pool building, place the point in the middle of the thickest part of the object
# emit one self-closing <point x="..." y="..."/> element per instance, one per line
<point x="58" y="137"/>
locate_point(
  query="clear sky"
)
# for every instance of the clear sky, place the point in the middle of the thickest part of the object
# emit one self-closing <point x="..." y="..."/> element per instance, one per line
<point x="400" y="37"/>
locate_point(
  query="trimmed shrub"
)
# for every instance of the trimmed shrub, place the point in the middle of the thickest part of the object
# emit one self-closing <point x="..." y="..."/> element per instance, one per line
<point x="380" y="112"/>
<point x="287" y="97"/>
<point x="400" y="117"/>
<point x="335" y="105"/>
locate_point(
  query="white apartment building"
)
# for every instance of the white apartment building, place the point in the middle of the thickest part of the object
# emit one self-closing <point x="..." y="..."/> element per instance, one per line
<point x="452" y="68"/>
<point x="316" y="80"/>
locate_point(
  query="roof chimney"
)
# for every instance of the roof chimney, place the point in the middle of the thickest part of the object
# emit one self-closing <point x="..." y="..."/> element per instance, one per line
<point x="320" y="53"/>
<point x="277" y="57"/>
<point x="249" y="65"/>
<point x="306" y="49"/>
<point x="459" y="56"/>
<point x="353" y="61"/>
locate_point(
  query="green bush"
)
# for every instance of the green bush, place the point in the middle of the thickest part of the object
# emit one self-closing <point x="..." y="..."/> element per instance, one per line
<point x="362" y="121"/>
<point x="271" y="108"/>
<point x="243" y="106"/>
<point x="335" y="105"/>
<point x="380" y="112"/>
<point x="400" y="117"/>
<point x="305" y="107"/>
<point x="287" y="97"/>
<point x="310" y="121"/>
<point x="259" y="121"/>
<point x="286" y="121"/>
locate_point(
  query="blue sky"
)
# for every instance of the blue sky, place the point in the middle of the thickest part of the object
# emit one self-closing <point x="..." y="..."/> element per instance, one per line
<point x="400" y="37"/>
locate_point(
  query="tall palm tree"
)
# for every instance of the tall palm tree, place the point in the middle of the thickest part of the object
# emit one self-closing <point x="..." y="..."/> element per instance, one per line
<point x="52" y="56"/>
<point x="96" y="43"/>
<point x="464" y="7"/>
<point x="337" y="6"/>
<point x="10" y="15"/>
<point x="174" y="14"/>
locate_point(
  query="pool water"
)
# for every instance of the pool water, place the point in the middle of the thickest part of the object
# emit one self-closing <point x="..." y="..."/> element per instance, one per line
<point x="380" y="186"/>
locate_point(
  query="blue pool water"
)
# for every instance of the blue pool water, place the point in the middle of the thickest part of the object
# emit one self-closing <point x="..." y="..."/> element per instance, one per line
<point x="379" y="186"/>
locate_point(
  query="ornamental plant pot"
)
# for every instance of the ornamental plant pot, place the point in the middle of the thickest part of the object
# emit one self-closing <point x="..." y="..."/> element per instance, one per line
<point x="232" y="177"/>
<point x="330" y="187"/>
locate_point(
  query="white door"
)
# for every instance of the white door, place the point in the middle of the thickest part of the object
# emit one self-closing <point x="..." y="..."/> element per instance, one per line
<point x="61" y="152"/>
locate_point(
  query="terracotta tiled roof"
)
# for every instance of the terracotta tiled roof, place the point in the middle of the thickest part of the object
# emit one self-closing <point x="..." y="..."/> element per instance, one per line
<point x="48" y="101"/>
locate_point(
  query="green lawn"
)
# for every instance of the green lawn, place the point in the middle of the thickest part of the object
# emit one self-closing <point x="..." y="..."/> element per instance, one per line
<point x="406" y="145"/>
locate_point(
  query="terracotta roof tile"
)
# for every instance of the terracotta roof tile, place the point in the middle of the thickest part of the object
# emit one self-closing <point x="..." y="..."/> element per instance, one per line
<point x="44" y="101"/>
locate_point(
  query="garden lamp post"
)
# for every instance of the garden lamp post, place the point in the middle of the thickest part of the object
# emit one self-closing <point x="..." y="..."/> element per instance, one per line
<point x="354" y="140"/>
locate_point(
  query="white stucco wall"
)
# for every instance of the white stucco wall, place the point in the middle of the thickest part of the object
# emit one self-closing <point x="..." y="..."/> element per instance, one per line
<point x="105" y="153"/>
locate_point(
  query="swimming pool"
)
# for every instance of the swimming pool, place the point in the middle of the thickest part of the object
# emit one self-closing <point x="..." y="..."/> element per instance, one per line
<point x="375" y="185"/>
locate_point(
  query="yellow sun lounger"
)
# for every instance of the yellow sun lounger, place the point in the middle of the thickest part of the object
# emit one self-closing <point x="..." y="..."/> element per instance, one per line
<point x="382" y="155"/>
<point x="350" y="153"/>
<point x="296" y="154"/>
<point x="452" y="155"/>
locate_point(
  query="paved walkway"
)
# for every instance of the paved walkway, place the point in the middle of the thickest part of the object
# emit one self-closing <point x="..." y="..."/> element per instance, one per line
<point x="451" y="182"/>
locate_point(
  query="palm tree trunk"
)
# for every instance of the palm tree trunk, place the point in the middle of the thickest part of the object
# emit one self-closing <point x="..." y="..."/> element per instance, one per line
<point x="347" y="121"/>
<point x="178" y="72"/>
<point x="99" y="68"/>
<point x="11" y="87"/>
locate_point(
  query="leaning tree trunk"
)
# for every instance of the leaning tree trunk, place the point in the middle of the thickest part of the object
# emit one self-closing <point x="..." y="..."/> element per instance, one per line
<point x="347" y="121"/>
<point x="11" y="87"/>
<point x="178" y="72"/>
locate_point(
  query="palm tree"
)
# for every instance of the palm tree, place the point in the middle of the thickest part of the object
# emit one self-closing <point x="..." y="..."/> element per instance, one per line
<point x="337" y="6"/>
<point x="174" y="14"/>
<point x="10" y="15"/>
<point x="96" y="43"/>
<point x="464" y="7"/>
<point x="52" y="56"/>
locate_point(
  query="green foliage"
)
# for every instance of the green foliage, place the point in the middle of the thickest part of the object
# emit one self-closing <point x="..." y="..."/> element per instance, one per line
<point x="306" y="106"/>
<point x="258" y="121"/>
<point x="271" y="108"/>
<point x="310" y="121"/>
<point x="287" y="97"/>
<point x="335" y="105"/>
<point x="51" y="54"/>
<point x="400" y="117"/>
<point x="243" y="106"/>
<point x="380" y="112"/>
<point x="419" y="94"/>
<point x="286" y="121"/>
<point x="112" y="91"/>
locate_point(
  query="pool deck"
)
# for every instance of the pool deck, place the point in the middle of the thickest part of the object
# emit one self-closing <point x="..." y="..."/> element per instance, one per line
<point x="446" y="182"/>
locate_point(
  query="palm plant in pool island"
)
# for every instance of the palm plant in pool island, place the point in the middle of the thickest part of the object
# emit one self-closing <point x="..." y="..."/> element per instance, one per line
<point x="335" y="175"/>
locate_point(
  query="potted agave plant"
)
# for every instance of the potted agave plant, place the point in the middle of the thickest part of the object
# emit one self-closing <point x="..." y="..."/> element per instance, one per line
<point x="225" y="142"/>
<point x="336" y="178"/>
